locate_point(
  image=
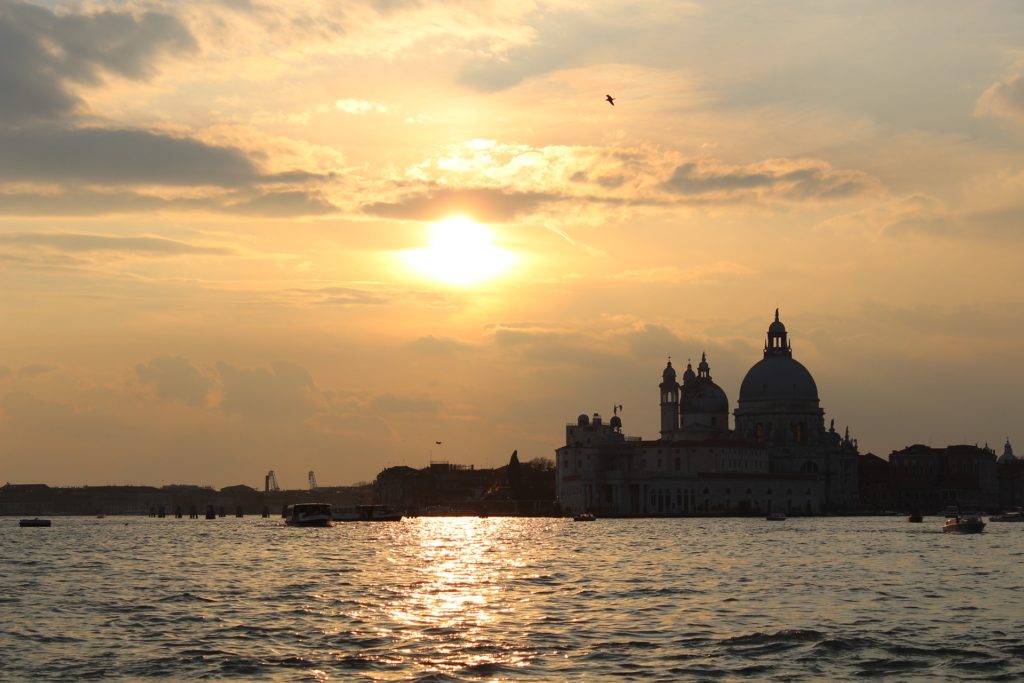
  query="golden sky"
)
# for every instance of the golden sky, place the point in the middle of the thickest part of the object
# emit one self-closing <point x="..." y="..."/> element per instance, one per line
<point x="240" y="236"/>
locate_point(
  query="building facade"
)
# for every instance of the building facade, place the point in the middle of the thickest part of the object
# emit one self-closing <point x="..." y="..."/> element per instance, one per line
<point x="779" y="457"/>
<point x="927" y="479"/>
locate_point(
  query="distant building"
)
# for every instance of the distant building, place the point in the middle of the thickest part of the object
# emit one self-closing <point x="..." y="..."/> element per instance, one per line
<point x="443" y="488"/>
<point x="780" y="457"/>
<point x="929" y="479"/>
<point x="1010" y="474"/>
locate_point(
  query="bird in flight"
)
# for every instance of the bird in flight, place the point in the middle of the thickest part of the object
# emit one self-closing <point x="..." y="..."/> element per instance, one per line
<point x="610" y="99"/>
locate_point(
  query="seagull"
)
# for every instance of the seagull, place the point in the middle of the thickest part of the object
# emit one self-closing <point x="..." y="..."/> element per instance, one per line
<point x="611" y="100"/>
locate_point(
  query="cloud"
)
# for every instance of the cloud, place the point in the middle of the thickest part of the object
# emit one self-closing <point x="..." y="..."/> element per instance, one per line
<point x="285" y="203"/>
<point x="81" y="243"/>
<point x="341" y="296"/>
<point x="36" y="370"/>
<point x="350" y="106"/>
<point x="404" y="403"/>
<point x="437" y="346"/>
<point x="43" y="53"/>
<point x="1004" y="99"/>
<point x="483" y="204"/>
<point x="925" y="216"/>
<point x="175" y="379"/>
<point x="285" y="392"/>
<point x="119" y="156"/>
<point x="570" y="36"/>
<point x="774" y="179"/>
<point x="86" y="202"/>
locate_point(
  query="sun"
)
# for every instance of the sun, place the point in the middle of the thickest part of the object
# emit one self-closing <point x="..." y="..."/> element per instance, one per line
<point x="460" y="253"/>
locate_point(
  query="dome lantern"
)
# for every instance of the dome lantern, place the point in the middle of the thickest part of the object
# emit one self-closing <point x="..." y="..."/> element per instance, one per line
<point x="777" y="344"/>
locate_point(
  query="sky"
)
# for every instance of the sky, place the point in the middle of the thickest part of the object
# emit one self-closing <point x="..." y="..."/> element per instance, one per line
<point x="243" y="236"/>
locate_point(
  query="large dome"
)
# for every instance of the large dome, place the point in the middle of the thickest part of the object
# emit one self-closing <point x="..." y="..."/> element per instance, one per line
<point x="704" y="397"/>
<point x="778" y="378"/>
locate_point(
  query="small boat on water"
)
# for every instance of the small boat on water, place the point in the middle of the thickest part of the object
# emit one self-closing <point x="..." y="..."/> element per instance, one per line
<point x="308" y="514"/>
<point x="1015" y="516"/>
<point x="966" y="523"/>
<point x="365" y="513"/>
<point x="776" y="517"/>
<point x="915" y="517"/>
<point x="35" y="522"/>
<point x="584" y="517"/>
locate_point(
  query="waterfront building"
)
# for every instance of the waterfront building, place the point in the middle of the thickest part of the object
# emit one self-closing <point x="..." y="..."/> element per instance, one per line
<point x="1010" y="473"/>
<point x="930" y="479"/>
<point x="779" y="457"/>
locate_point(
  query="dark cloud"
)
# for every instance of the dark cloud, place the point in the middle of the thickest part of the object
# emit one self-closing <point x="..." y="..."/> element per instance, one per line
<point x="285" y="392"/>
<point x="78" y="242"/>
<point x="79" y="202"/>
<point x="175" y="379"/>
<point x="783" y="180"/>
<point x="87" y="202"/>
<point x="111" y="156"/>
<point x="483" y="204"/>
<point x="404" y="403"/>
<point x="285" y="203"/>
<point x="43" y="53"/>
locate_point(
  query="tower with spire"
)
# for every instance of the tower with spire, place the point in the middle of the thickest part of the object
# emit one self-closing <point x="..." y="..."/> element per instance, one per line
<point x="669" y="401"/>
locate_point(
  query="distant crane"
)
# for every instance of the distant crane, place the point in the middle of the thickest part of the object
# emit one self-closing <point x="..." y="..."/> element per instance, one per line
<point x="270" y="482"/>
<point x="312" y="481"/>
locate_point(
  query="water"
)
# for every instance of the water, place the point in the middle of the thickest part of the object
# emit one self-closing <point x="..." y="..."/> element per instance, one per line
<point x="447" y="599"/>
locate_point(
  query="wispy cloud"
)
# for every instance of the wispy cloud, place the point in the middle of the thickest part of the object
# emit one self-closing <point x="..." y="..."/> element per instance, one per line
<point x="81" y="243"/>
<point x="350" y="106"/>
<point x="1004" y="99"/>
<point x="775" y="179"/>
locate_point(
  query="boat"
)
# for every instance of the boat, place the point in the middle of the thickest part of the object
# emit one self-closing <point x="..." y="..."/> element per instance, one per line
<point x="1014" y="516"/>
<point x="915" y="517"/>
<point x="584" y="517"/>
<point x="776" y="517"/>
<point x="967" y="523"/>
<point x="35" y="522"/>
<point x="365" y="513"/>
<point x="308" y="514"/>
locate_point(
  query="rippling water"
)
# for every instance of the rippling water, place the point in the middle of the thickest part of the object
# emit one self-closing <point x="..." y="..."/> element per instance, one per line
<point x="445" y="599"/>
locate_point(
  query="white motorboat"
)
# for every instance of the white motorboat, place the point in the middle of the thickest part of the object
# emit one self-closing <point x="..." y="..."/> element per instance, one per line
<point x="1015" y="516"/>
<point x="966" y="523"/>
<point x="365" y="513"/>
<point x="308" y="514"/>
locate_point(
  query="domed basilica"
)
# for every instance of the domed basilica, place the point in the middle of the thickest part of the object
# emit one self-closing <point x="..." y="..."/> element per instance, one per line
<point x="778" y="457"/>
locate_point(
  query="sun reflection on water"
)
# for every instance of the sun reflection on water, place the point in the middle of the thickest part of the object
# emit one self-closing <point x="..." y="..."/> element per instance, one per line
<point x="456" y="593"/>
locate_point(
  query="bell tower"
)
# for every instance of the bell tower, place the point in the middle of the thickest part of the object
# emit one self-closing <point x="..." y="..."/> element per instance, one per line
<point x="669" y="401"/>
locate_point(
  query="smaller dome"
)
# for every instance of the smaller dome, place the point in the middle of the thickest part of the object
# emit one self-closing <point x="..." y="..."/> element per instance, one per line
<point x="776" y="328"/>
<point x="669" y="373"/>
<point x="583" y="420"/>
<point x="616" y="422"/>
<point x="689" y="375"/>
<point x="1007" y="455"/>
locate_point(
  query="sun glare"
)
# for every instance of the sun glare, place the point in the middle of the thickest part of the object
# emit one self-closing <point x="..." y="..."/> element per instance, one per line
<point x="460" y="253"/>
